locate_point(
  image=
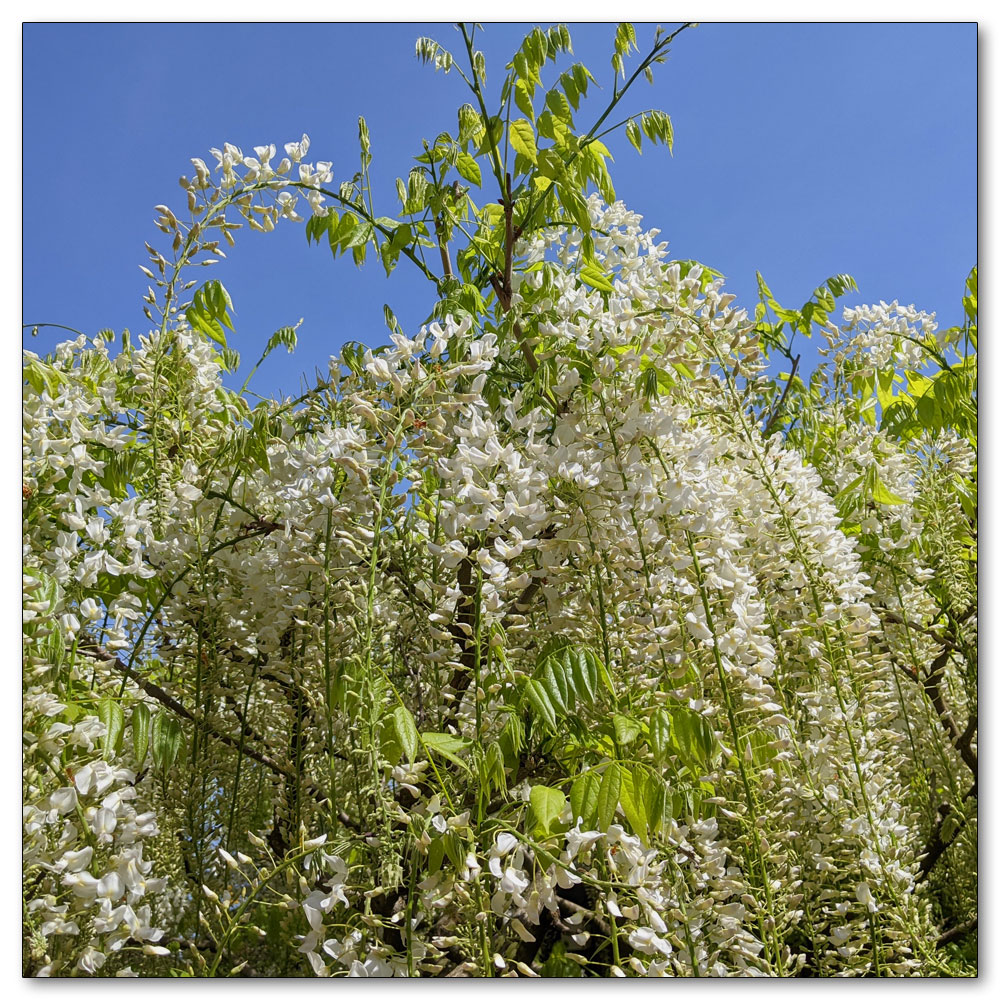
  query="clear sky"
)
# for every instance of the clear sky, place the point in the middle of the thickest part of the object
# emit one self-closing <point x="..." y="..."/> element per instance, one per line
<point x="801" y="150"/>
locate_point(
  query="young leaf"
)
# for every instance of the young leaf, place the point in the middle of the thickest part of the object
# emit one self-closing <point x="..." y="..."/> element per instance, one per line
<point x="522" y="98"/>
<point x="495" y="768"/>
<point x="166" y="738"/>
<point x="455" y="848"/>
<point x="435" y="855"/>
<point x="633" y="799"/>
<point x="111" y="714"/>
<point x="880" y="494"/>
<point x="659" y="735"/>
<point x="634" y="134"/>
<point x="596" y="278"/>
<point x="522" y="138"/>
<point x="692" y="737"/>
<point x="406" y="732"/>
<point x="554" y="679"/>
<point x="140" y="731"/>
<point x="540" y="703"/>
<point x="546" y="803"/>
<point x="447" y="746"/>
<point x="574" y="205"/>
<point x="626" y="729"/>
<point x="608" y="795"/>
<point x="584" y="671"/>
<point x="583" y="798"/>
<point x="659" y="803"/>
<point x="469" y="169"/>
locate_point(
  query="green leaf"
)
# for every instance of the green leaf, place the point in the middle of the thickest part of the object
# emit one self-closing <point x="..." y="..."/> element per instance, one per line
<point x="880" y="494"/>
<point x="166" y="738"/>
<point x="658" y="128"/>
<point x="596" y="278"/>
<point x="511" y="741"/>
<point x="626" y="729"/>
<point x="111" y="714"/>
<point x="435" y="855"/>
<point x="658" y="801"/>
<point x="140" y="731"/>
<point x="540" y="703"/>
<point x="522" y="138"/>
<point x="883" y="388"/>
<point x="469" y="169"/>
<point x="447" y="746"/>
<point x="556" y="684"/>
<point x="659" y="735"/>
<point x="495" y="768"/>
<point x="571" y="90"/>
<point x="207" y="325"/>
<point x="546" y="804"/>
<point x="208" y="311"/>
<point x="625" y="39"/>
<point x="970" y="301"/>
<point x="634" y="134"/>
<point x="406" y="732"/>
<point x="357" y="235"/>
<point x="573" y="204"/>
<point x="559" y="966"/>
<point x="583" y="798"/>
<point x="633" y="799"/>
<point x="454" y="847"/>
<point x="608" y="795"/>
<point x="522" y="97"/>
<point x="584" y="668"/>
<point x="316" y="225"/>
<point x="556" y="102"/>
<point x="692" y="737"/>
<point x="470" y="124"/>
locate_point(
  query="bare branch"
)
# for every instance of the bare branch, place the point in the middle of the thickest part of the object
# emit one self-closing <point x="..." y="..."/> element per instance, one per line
<point x="155" y="691"/>
<point x="957" y="932"/>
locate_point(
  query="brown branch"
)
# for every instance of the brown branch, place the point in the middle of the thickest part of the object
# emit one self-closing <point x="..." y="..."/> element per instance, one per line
<point x="937" y="844"/>
<point x="529" y="354"/>
<point x="508" y="248"/>
<point x="523" y="600"/>
<point x="599" y="922"/>
<point x="462" y="628"/>
<point x="961" y="740"/>
<point x="964" y="747"/>
<point x="443" y="248"/>
<point x="155" y="691"/>
<point x="781" y="402"/>
<point x="957" y="932"/>
<point x="502" y="284"/>
<point x="894" y="619"/>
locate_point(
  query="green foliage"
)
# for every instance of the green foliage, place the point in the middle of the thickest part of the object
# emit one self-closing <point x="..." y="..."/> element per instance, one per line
<point x="209" y="311"/>
<point x="167" y="741"/>
<point x="110" y="713"/>
<point x="140" y="732"/>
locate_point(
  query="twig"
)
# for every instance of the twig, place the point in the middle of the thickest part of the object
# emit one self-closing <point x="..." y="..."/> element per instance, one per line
<point x="781" y="402"/>
<point x="443" y="248"/>
<point x="155" y="691"/>
<point x="938" y="845"/>
<point x="957" y="932"/>
<point x="961" y="741"/>
<point x="895" y="619"/>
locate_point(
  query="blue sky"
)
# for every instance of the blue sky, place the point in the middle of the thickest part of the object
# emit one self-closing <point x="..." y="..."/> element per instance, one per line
<point x="801" y="150"/>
